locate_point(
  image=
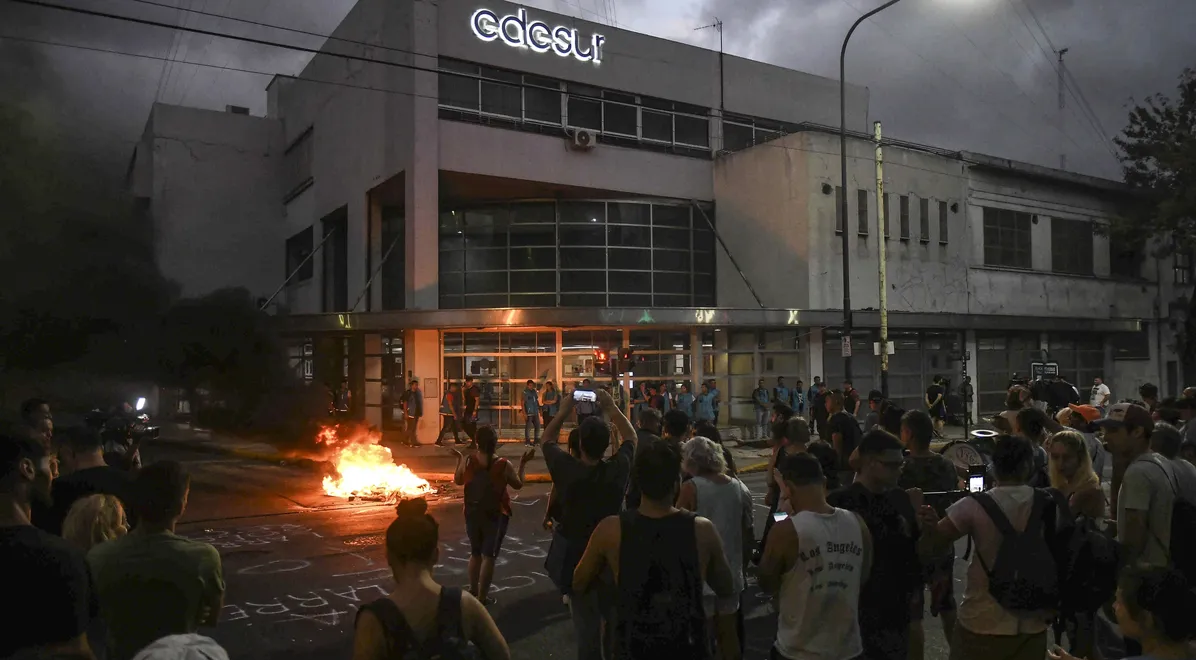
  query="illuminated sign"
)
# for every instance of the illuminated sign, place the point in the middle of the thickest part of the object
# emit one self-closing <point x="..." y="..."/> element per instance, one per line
<point x="515" y="30"/>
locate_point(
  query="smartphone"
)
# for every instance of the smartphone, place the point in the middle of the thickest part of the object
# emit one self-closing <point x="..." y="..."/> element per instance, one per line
<point x="976" y="483"/>
<point x="583" y="395"/>
<point x="779" y="516"/>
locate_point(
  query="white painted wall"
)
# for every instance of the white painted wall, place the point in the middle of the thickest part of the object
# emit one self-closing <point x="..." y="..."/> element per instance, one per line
<point x="213" y="181"/>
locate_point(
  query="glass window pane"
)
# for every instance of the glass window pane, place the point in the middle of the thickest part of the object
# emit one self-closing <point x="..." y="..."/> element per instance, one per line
<point x="582" y="235"/>
<point x="670" y="260"/>
<point x="704" y="285"/>
<point x="670" y="216"/>
<point x="703" y="240"/>
<point x="542" y="104"/>
<point x="451" y="302"/>
<point x="630" y="282"/>
<point x="455" y="241"/>
<point x="629" y="259"/>
<point x="533" y="281"/>
<point x="502" y="99"/>
<point x="538" y="213"/>
<point x="481" y="342"/>
<point x="693" y="131"/>
<point x="675" y="239"/>
<point x="644" y="340"/>
<point x="519" y="342"/>
<point x="454" y="368"/>
<point x="453" y="342"/>
<point x="629" y="300"/>
<point x="526" y="258"/>
<point x="657" y="125"/>
<point x="628" y="236"/>
<point x="737" y="137"/>
<point x="451" y="262"/>
<point x="583" y="213"/>
<point x="533" y="235"/>
<point x="495" y="282"/>
<point x="671" y="283"/>
<point x="452" y="284"/>
<point x="546" y="341"/>
<point x="583" y="281"/>
<point x="619" y="114"/>
<point x="583" y="300"/>
<point x="487" y="301"/>
<point x="533" y="300"/>
<point x="582" y="258"/>
<point x="585" y="113"/>
<point x="626" y="213"/>
<point x="476" y="260"/>
<point x="459" y="91"/>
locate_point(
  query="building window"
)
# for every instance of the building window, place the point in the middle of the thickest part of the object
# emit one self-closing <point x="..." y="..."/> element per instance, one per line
<point x="904" y="218"/>
<point x="737" y="136"/>
<point x="1071" y="246"/>
<point x="888" y="216"/>
<point x="1007" y="238"/>
<point x="741" y="132"/>
<point x="924" y="220"/>
<point x="482" y="94"/>
<point x="838" y="209"/>
<point x="299" y="248"/>
<point x="577" y="254"/>
<point x="943" y="223"/>
<point x="862" y="212"/>
<point x="1125" y="262"/>
<point x="1132" y="345"/>
<point x="1182" y="265"/>
<point x="297" y="163"/>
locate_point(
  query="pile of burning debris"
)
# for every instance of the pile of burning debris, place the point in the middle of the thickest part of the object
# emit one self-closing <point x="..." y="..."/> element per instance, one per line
<point x="361" y="469"/>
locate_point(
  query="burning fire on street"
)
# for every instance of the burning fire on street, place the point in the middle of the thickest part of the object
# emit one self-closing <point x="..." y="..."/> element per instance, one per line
<point x="364" y="469"/>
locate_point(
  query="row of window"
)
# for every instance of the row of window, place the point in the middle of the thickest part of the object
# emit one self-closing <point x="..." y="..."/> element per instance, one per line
<point x="864" y="222"/>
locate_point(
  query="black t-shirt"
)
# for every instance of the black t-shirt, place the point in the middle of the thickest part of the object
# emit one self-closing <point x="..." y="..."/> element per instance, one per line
<point x="55" y="600"/>
<point x="845" y="425"/>
<point x="566" y="471"/>
<point x="933" y="393"/>
<point x="91" y="481"/>
<point x="896" y="569"/>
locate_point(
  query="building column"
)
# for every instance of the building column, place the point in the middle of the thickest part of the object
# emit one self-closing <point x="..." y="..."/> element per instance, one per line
<point x="697" y="371"/>
<point x="358" y="397"/>
<point x="422" y="175"/>
<point x="372" y="380"/>
<point x="421" y="355"/>
<point x="814" y="346"/>
<point x="969" y="348"/>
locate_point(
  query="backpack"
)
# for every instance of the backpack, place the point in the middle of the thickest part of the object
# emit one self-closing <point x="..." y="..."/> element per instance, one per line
<point x="482" y="494"/>
<point x="448" y="643"/>
<point x="1040" y="478"/>
<point x="1181" y="553"/>
<point x="1025" y="575"/>
<point x="1093" y="562"/>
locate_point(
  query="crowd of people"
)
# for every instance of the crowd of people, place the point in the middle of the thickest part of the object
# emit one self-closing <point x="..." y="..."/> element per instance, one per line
<point x="654" y="540"/>
<point x="93" y="554"/>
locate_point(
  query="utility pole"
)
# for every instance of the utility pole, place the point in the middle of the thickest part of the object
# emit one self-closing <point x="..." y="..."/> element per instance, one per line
<point x="1062" y="135"/>
<point x="718" y="26"/>
<point x="881" y="238"/>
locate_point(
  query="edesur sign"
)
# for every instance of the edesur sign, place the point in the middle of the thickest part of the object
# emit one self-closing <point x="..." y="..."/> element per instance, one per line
<point x="515" y="30"/>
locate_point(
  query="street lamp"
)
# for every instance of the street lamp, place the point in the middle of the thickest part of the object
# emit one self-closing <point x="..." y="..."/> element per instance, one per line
<point x="846" y="346"/>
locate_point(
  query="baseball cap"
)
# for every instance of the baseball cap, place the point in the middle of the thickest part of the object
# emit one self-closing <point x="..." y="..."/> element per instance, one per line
<point x="876" y="395"/>
<point x="1127" y="414"/>
<point x="1089" y="413"/>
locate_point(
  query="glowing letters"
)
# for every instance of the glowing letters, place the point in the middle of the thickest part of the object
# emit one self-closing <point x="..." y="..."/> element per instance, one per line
<point x="516" y="31"/>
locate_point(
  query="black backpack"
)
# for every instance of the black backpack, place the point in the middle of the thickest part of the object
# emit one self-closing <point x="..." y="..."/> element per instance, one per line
<point x="1181" y="553"/>
<point x="482" y="491"/>
<point x="1093" y="562"/>
<point x="448" y="643"/>
<point x="1025" y="575"/>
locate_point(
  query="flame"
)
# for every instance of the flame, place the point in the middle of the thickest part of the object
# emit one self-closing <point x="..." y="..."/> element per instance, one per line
<point x="366" y="469"/>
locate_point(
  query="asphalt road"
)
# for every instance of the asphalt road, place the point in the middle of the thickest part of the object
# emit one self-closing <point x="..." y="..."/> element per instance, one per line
<point x="297" y="563"/>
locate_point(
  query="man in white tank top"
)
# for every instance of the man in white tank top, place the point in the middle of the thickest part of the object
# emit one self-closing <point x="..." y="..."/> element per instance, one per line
<point x="813" y="565"/>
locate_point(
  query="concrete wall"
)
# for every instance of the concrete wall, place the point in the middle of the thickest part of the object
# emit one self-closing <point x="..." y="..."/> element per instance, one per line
<point x="215" y="190"/>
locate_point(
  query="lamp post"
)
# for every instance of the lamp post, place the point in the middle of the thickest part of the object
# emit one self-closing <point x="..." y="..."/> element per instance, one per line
<point x="843" y="187"/>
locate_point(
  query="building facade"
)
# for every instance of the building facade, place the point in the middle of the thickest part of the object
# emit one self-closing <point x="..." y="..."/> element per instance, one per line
<point x="454" y="190"/>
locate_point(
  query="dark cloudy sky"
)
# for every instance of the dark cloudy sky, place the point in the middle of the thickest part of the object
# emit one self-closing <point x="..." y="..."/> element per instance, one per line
<point x="963" y="74"/>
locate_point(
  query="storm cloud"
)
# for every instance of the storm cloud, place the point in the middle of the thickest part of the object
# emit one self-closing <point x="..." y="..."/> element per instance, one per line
<point x="961" y="74"/>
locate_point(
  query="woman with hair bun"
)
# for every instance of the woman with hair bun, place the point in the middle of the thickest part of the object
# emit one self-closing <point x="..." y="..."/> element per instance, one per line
<point x="421" y="619"/>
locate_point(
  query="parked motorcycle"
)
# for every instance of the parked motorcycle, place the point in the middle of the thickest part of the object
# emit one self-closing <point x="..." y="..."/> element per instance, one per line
<point x="123" y="428"/>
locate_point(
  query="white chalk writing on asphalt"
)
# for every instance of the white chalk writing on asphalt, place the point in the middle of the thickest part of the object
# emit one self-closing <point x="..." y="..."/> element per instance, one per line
<point x="275" y="566"/>
<point x="260" y="535"/>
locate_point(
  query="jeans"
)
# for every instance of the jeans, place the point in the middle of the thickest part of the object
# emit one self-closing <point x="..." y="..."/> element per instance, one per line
<point x="762" y="422"/>
<point x="411" y="430"/>
<point x="594" y="622"/>
<point x="532" y="421"/>
<point x="448" y="422"/>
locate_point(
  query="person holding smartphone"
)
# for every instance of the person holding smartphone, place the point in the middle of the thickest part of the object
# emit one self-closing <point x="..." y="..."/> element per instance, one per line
<point x="584" y="401"/>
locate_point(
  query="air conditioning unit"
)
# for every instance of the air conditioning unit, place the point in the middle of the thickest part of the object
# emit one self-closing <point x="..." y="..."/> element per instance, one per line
<point x="582" y="139"/>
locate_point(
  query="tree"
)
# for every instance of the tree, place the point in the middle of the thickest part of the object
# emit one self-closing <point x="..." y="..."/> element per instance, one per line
<point x="1159" y="161"/>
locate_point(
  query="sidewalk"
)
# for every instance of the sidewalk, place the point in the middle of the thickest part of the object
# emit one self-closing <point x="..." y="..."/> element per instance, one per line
<point x="429" y="461"/>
